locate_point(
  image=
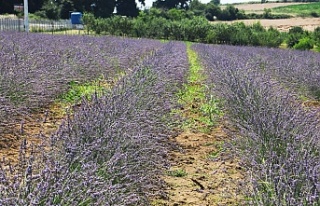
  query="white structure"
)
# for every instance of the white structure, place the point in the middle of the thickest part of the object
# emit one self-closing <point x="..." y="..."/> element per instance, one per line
<point x="26" y="20"/>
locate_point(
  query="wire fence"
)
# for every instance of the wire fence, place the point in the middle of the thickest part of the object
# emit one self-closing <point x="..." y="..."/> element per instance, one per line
<point x="38" y="25"/>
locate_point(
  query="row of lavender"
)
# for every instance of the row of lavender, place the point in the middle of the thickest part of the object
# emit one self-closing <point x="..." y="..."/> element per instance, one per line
<point x="298" y="70"/>
<point x="36" y="68"/>
<point x="112" y="150"/>
<point x="279" y="139"/>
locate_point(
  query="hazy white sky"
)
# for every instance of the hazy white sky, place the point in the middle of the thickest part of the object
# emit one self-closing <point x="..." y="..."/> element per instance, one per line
<point x="149" y="2"/>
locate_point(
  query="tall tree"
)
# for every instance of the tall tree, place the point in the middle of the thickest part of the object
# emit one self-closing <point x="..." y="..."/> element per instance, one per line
<point x="197" y="5"/>
<point x="103" y="8"/>
<point x="7" y="6"/>
<point x="215" y="2"/>
<point x="127" y="8"/>
<point x="84" y="5"/>
<point x="66" y="7"/>
<point x="170" y="4"/>
<point x="51" y="9"/>
<point x="35" y="5"/>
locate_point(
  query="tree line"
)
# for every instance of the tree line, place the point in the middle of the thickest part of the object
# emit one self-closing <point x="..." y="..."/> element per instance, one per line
<point x="100" y="8"/>
<point x="176" y="25"/>
<point x="60" y="9"/>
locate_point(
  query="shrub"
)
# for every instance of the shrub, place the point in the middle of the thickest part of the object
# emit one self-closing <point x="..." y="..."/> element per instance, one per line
<point x="222" y="33"/>
<point x="240" y="35"/>
<point x="314" y="14"/>
<point x="270" y="38"/>
<point x="296" y="30"/>
<point x="305" y="43"/>
<point x="293" y="39"/>
<point x="211" y="11"/>
<point x="211" y="37"/>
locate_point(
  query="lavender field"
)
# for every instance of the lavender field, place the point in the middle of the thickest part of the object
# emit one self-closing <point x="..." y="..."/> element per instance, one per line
<point x="35" y="69"/>
<point x="276" y="136"/>
<point x="113" y="149"/>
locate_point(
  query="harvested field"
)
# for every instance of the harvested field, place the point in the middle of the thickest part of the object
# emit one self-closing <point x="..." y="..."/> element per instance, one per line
<point x="284" y="25"/>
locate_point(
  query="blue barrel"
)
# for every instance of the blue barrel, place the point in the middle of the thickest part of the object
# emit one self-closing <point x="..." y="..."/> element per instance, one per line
<point x="76" y="18"/>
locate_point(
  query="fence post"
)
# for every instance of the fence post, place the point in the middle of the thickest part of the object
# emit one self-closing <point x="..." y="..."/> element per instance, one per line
<point x="19" y="24"/>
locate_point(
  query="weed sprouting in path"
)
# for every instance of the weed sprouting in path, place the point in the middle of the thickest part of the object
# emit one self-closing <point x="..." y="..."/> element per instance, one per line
<point x="201" y="173"/>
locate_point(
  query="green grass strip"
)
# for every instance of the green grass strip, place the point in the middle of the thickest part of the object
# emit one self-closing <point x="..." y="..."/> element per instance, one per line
<point x="309" y="9"/>
<point x="199" y="109"/>
<point x="78" y="91"/>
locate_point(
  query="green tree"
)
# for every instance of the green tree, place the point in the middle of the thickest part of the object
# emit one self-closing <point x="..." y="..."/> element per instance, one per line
<point x="7" y="6"/>
<point x="176" y="14"/>
<point x="51" y="9"/>
<point x="139" y="25"/>
<point x="170" y="4"/>
<point x="305" y="43"/>
<point x="104" y="8"/>
<point x="240" y="34"/>
<point x="294" y="35"/>
<point x="127" y="8"/>
<point x="212" y="11"/>
<point x="270" y="38"/>
<point x="222" y="33"/>
<point x="155" y="13"/>
<point x="229" y="13"/>
<point x="65" y="8"/>
<point x="215" y="2"/>
<point x="197" y="7"/>
<point x="35" y="5"/>
<point x="196" y="29"/>
<point x="316" y="34"/>
<point x="88" y="21"/>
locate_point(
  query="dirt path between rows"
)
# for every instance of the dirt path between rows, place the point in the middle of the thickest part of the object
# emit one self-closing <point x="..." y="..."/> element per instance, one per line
<point x="35" y="128"/>
<point x="212" y="178"/>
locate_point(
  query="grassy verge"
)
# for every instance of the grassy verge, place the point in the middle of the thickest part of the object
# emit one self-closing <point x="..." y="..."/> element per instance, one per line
<point x="60" y="31"/>
<point x="200" y="110"/>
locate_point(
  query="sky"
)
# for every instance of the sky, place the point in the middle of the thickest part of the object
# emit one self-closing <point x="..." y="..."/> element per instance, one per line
<point x="149" y="2"/>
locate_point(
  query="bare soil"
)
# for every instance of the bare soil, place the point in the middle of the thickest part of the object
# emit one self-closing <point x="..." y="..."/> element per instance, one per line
<point x="35" y="128"/>
<point x="283" y="25"/>
<point x="212" y="177"/>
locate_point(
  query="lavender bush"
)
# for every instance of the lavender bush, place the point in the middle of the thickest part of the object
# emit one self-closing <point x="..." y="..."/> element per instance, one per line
<point x="298" y="70"/>
<point x="279" y="141"/>
<point x="112" y="150"/>
<point x="36" y="68"/>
